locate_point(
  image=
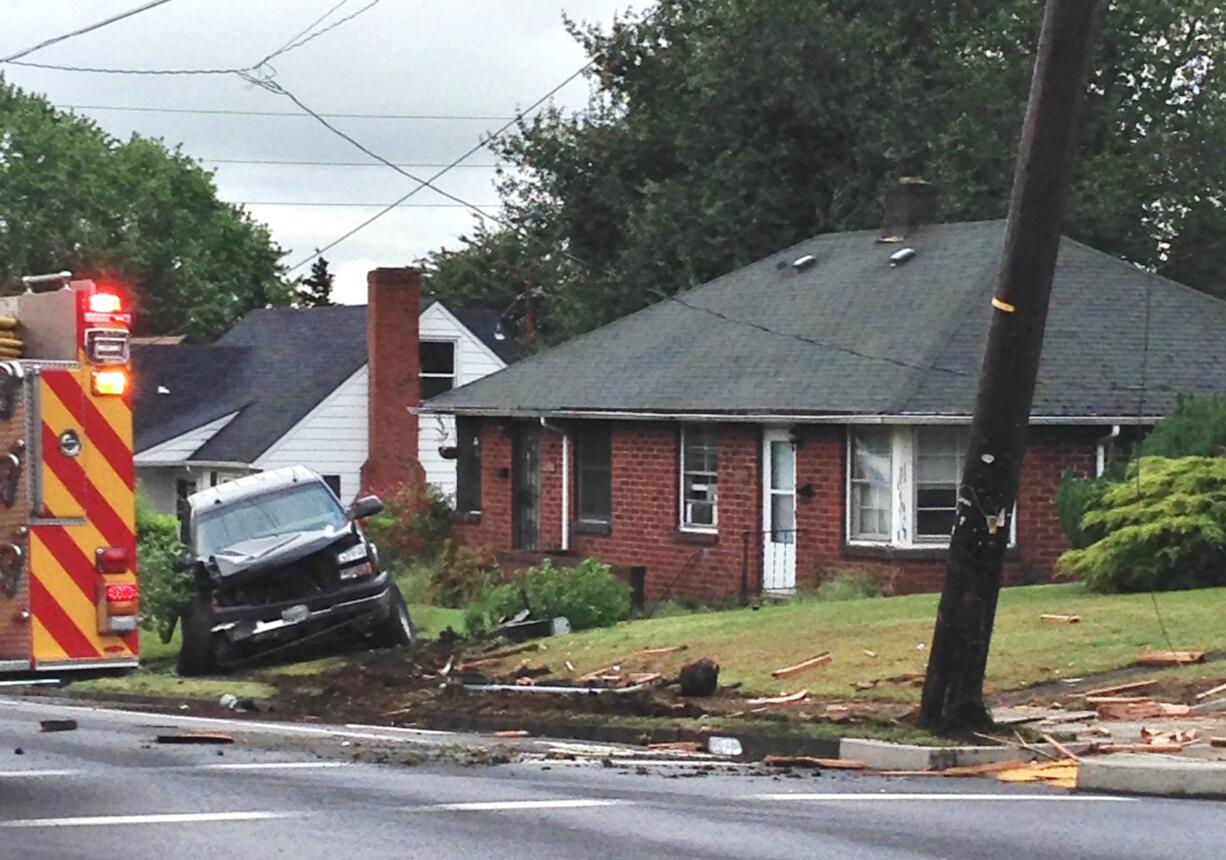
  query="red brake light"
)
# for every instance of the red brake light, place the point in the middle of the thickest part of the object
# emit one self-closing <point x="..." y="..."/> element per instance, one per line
<point x="111" y="559"/>
<point x="121" y="593"/>
<point x="105" y="303"/>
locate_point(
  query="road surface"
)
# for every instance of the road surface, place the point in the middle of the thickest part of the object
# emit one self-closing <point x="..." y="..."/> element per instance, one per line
<point x="107" y="789"/>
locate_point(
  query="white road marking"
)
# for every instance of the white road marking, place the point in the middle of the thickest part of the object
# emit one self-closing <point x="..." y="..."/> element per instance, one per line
<point x="172" y="818"/>
<point x="17" y="774"/>
<point x="268" y="765"/>
<point x="915" y="796"/>
<point x="512" y="805"/>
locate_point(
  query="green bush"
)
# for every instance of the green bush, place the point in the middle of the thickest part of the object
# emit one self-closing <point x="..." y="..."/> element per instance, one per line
<point x="1163" y="527"/>
<point x="1076" y="496"/>
<point x="587" y="595"/>
<point x="414" y="525"/>
<point x="1197" y="428"/>
<point x="460" y="576"/>
<point x="163" y="590"/>
<point x="849" y="585"/>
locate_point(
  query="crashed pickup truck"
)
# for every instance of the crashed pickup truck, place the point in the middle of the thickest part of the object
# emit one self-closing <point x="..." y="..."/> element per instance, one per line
<point x="277" y="561"/>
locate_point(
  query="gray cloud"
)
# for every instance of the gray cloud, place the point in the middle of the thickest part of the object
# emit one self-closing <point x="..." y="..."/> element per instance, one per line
<point x="459" y="57"/>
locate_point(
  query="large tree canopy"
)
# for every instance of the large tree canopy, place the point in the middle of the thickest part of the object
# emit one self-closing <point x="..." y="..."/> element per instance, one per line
<point x="719" y="131"/>
<point x="72" y="197"/>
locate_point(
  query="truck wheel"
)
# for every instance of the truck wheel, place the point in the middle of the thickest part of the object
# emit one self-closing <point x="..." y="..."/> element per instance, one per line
<point x="196" y="652"/>
<point x="398" y="630"/>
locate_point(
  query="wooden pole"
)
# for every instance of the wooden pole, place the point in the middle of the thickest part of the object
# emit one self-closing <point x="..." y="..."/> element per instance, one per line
<point x="953" y="689"/>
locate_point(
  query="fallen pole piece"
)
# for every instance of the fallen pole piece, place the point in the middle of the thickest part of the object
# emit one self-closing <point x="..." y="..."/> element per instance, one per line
<point x="1121" y="688"/>
<point x="196" y="738"/>
<point x="782" y="699"/>
<point x="1063" y="750"/>
<point x="1117" y="700"/>
<point x="803" y="666"/>
<point x="810" y="761"/>
<point x="1060" y="619"/>
<point x="57" y="725"/>
<point x="1169" y="658"/>
<point x="1220" y="688"/>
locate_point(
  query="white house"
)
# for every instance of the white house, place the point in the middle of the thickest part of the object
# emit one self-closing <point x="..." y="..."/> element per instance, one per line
<point x="291" y="386"/>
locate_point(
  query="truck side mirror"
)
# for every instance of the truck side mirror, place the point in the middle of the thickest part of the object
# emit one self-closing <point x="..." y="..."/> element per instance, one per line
<point x="367" y="506"/>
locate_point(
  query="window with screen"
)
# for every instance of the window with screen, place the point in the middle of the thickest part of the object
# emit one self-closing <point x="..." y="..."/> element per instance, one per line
<point x="699" y="477"/>
<point x="437" y="370"/>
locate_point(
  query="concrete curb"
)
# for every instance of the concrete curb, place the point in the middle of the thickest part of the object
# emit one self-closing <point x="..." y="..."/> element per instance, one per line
<point x="1156" y="775"/>
<point x="883" y="755"/>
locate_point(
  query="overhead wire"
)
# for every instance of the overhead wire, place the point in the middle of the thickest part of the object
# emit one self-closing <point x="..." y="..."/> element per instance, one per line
<point x="301" y="40"/>
<point x="287" y="113"/>
<point x="288" y="163"/>
<point x="98" y="25"/>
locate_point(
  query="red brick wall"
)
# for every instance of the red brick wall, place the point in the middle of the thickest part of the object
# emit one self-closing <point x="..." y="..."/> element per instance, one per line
<point x="645" y="531"/>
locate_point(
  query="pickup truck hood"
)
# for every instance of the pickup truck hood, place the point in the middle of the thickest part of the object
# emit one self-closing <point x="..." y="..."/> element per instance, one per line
<point x="263" y="553"/>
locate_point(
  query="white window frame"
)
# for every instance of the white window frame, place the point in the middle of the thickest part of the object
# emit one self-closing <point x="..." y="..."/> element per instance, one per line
<point x="902" y="493"/>
<point x="683" y="524"/>
<point x="454" y="376"/>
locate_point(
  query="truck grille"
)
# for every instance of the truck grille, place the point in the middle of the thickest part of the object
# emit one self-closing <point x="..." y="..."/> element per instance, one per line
<point x="308" y="577"/>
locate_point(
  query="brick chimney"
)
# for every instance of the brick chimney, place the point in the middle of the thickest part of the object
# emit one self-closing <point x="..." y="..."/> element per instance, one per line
<point x="910" y="202"/>
<point x="393" y="305"/>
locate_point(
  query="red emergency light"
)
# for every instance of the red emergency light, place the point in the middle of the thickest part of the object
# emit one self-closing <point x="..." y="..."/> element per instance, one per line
<point x="111" y="559"/>
<point x="105" y="303"/>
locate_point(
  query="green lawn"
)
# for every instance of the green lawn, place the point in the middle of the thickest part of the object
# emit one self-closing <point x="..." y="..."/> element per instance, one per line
<point x="748" y="644"/>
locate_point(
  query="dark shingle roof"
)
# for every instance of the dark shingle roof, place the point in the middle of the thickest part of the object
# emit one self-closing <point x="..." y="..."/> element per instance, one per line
<point x="273" y="368"/>
<point x="889" y="340"/>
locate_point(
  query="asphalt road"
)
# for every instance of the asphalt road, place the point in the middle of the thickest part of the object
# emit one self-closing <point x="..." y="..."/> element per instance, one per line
<point x="107" y="790"/>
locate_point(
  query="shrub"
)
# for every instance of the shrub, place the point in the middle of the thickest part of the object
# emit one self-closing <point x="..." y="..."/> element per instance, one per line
<point x="414" y="525"/>
<point x="163" y="590"/>
<point x="1197" y="428"/>
<point x="460" y="576"/>
<point x="1076" y="496"/>
<point x="849" y="585"/>
<point x="588" y="595"/>
<point x="1163" y="527"/>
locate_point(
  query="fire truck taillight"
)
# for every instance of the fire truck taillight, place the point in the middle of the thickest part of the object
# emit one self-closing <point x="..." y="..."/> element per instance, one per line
<point x="105" y="303"/>
<point x="111" y="559"/>
<point x="118" y="604"/>
<point x="110" y="382"/>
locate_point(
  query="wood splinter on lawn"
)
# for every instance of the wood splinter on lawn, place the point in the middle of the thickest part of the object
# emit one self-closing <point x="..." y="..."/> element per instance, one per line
<point x="1220" y="688"/>
<point x="782" y="699"/>
<point x="1061" y="748"/>
<point x="1120" y="688"/>
<point x="1169" y="658"/>
<point x="803" y="666"/>
<point x="1060" y="619"/>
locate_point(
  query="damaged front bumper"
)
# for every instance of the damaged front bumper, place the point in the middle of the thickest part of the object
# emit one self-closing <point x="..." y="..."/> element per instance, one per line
<point x="362" y="606"/>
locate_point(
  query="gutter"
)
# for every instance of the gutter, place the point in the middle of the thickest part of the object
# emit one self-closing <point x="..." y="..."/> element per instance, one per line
<point x="565" y="480"/>
<point x="780" y="417"/>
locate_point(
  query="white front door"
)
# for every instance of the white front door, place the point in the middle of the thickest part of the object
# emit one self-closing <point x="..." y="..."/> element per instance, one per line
<point x="778" y="511"/>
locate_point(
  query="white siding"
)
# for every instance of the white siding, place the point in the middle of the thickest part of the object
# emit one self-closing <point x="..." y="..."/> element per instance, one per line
<point x="473" y="360"/>
<point x="331" y="439"/>
<point x="158" y="484"/>
<point x="181" y="448"/>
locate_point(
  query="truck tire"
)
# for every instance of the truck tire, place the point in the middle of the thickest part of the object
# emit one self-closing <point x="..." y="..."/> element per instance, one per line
<point x="196" y="652"/>
<point x="398" y="630"/>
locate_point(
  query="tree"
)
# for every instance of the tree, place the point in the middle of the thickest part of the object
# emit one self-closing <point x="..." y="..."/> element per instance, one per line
<point x="73" y="197"/>
<point x="316" y="290"/>
<point x="719" y="131"/>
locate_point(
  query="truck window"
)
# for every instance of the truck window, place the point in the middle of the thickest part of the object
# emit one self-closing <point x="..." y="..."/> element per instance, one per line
<point x="295" y="509"/>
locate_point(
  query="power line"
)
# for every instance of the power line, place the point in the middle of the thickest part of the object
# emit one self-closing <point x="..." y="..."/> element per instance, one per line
<point x="308" y="28"/>
<point x="359" y="204"/>
<point x="144" y="7"/>
<point x="298" y="41"/>
<point x="451" y="166"/>
<point x="274" y="161"/>
<point x="282" y="113"/>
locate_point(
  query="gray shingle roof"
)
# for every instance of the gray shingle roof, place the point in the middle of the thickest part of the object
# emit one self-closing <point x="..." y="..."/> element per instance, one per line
<point x="272" y="368"/>
<point x="889" y="340"/>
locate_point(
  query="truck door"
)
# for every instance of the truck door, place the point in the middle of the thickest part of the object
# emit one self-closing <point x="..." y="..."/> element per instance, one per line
<point x="15" y="619"/>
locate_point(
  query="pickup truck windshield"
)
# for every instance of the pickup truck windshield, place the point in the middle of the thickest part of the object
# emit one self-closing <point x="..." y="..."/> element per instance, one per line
<point x="308" y="507"/>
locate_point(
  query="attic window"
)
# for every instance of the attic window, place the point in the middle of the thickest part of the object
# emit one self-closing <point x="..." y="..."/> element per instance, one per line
<point x="437" y="371"/>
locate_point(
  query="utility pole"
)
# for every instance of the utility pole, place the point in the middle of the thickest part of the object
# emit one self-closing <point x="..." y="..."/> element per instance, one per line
<point x="953" y="688"/>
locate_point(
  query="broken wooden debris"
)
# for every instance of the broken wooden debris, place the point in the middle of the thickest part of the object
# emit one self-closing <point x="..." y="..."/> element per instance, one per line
<point x="511" y="733"/>
<point x="782" y="699"/>
<point x="665" y="649"/>
<point x="1142" y="711"/>
<point x="983" y="769"/>
<point x="1054" y="618"/>
<point x="1179" y="736"/>
<point x="677" y="746"/>
<point x="1116" y="700"/>
<point x="1121" y="688"/>
<point x="1220" y="688"/>
<point x="195" y="738"/>
<point x="1217" y="742"/>
<point x="57" y="725"/>
<point x="1157" y="747"/>
<point x="494" y="656"/>
<point x="399" y="712"/>
<point x="1061" y="748"/>
<point x="868" y="652"/>
<point x="810" y="761"/>
<point x="1169" y="658"/>
<point x="803" y="666"/>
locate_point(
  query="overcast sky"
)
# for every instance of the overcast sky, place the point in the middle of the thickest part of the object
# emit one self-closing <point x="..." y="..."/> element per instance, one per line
<point x="470" y="58"/>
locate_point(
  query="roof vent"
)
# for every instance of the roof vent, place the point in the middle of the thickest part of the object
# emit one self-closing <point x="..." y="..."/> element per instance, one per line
<point x="900" y="257"/>
<point x="805" y="262"/>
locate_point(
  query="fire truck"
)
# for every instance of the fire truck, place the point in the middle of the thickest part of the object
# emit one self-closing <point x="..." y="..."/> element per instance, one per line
<point x="68" y="588"/>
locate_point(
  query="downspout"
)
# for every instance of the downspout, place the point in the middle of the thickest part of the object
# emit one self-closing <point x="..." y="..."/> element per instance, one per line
<point x="1101" y="450"/>
<point x="565" y="480"/>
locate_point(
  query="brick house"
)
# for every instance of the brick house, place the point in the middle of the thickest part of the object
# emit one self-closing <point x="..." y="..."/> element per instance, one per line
<point x="809" y="412"/>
